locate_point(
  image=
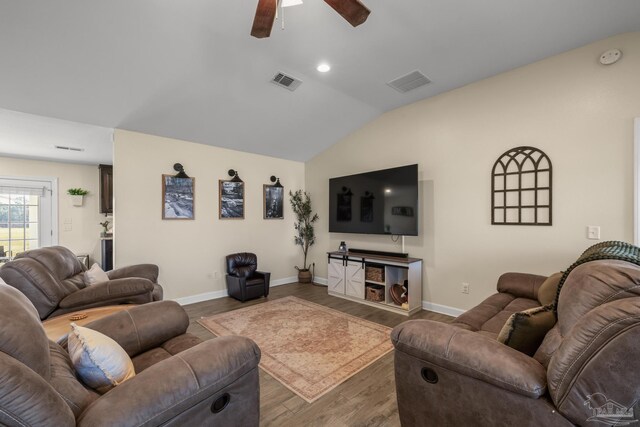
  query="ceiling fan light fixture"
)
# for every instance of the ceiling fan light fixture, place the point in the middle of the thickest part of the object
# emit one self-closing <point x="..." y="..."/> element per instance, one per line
<point x="323" y="67"/>
<point x="289" y="3"/>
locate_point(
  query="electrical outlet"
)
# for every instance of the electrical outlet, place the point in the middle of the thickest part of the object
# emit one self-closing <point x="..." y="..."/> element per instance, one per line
<point x="465" y="288"/>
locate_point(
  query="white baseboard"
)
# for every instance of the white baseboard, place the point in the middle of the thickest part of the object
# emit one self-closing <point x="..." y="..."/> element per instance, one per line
<point x="442" y="309"/>
<point x="223" y="293"/>
<point x="321" y="281"/>
<point x="285" y="281"/>
<point x="201" y="297"/>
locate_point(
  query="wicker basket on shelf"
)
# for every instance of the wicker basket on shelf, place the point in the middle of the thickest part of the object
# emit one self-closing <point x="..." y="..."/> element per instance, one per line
<point x="374" y="293"/>
<point x="374" y="273"/>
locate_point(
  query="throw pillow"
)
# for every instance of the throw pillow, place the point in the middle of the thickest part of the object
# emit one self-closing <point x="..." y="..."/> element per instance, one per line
<point x="99" y="361"/>
<point x="549" y="288"/>
<point x="95" y="275"/>
<point x="525" y="330"/>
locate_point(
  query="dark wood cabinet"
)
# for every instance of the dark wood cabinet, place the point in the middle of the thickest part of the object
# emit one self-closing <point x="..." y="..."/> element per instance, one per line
<point x="106" y="189"/>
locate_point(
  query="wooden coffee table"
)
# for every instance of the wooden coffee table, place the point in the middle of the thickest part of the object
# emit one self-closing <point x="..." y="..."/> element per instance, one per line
<point x="58" y="327"/>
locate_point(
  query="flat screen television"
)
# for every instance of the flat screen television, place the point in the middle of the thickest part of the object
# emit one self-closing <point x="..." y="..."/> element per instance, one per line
<point x="378" y="202"/>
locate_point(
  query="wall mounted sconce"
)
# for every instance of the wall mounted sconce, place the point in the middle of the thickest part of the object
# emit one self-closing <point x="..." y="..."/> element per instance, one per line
<point x="180" y="169"/>
<point x="276" y="180"/>
<point x="234" y="174"/>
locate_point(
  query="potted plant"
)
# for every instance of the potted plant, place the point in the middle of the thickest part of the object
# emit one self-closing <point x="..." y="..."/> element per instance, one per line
<point x="305" y="235"/>
<point x="77" y="195"/>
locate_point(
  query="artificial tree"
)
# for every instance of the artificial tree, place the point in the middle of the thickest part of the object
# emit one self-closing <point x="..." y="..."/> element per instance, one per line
<point x="305" y="234"/>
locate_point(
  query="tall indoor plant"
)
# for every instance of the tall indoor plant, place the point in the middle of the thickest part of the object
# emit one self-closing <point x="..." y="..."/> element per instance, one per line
<point x="305" y="235"/>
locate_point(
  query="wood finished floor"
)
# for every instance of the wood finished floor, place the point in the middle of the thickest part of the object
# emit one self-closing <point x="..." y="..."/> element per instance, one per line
<point x="366" y="399"/>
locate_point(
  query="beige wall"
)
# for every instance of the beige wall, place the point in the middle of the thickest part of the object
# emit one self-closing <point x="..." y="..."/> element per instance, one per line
<point x="576" y="110"/>
<point x="191" y="253"/>
<point x="83" y="238"/>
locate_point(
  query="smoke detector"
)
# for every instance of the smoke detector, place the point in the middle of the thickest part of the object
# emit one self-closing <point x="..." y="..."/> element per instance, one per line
<point x="610" y="57"/>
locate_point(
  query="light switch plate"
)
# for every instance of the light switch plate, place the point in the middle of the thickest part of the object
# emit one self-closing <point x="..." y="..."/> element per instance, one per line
<point x="593" y="232"/>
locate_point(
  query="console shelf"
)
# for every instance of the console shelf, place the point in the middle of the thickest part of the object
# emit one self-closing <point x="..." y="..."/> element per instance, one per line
<point x="347" y="279"/>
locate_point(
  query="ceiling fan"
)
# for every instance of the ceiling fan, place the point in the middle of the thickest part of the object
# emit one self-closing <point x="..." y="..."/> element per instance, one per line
<point x="352" y="10"/>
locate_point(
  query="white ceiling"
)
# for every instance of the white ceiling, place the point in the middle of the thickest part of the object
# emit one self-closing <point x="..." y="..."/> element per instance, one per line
<point x="189" y="69"/>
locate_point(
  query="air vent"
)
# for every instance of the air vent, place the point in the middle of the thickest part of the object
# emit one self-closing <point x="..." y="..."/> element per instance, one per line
<point x="409" y="82"/>
<point x="286" y="82"/>
<point x="62" y="147"/>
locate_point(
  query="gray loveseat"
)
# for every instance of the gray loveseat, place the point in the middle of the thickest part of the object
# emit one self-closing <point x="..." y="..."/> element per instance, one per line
<point x="586" y="369"/>
<point x="180" y="380"/>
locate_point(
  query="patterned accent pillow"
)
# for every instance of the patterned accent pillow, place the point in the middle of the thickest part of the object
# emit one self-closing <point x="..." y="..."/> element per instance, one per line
<point x="99" y="361"/>
<point x="525" y="330"/>
<point x="95" y="275"/>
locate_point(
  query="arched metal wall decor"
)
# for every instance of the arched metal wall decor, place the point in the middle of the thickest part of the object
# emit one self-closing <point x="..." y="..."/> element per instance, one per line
<point x="521" y="188"/>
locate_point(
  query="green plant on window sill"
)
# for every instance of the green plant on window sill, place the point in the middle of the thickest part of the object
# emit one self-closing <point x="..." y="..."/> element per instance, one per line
<point x="77" y="192"/>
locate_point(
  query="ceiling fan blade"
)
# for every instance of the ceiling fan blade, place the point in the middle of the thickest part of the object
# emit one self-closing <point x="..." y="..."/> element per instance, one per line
<point x="352" y="10"/>
<point x="263" y="21"/>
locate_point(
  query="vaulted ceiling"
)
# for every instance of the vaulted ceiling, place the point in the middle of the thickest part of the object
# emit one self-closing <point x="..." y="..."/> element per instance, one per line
<point x="190" y="70"/>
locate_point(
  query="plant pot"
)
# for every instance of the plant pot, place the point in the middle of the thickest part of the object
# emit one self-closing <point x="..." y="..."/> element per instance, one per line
<point x="304" y="276"/>
<point x="77" y="200"/>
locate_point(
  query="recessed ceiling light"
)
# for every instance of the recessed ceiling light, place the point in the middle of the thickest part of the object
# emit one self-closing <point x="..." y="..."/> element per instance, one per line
<point x="323" y="68"/>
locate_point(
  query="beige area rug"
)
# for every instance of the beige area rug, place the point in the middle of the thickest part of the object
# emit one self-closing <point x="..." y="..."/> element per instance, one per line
<point x="309" y="348"/>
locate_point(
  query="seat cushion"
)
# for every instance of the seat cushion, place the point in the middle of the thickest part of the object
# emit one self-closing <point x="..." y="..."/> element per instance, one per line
<point x="166" y="350"/>
<point x="490" y="315"/>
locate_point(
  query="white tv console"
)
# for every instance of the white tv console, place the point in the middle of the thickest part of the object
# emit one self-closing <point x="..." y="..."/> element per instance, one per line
<point x="347" y="279"/>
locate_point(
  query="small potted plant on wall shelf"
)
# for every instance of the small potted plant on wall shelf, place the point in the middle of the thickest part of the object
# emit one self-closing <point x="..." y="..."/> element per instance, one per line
<point x="77" y="196"/>
<point x="305" y="235"/>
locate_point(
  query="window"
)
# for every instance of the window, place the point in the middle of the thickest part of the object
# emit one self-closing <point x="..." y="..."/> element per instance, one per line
<point x="521" y="188"/>
<point x="26" y="215"/>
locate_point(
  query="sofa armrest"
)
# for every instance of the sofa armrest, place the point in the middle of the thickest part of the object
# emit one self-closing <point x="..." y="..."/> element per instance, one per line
<point x="146" y="271"/>
<point x="522" y="285"/>
<point x="267" y="278"/>
<point x="174" y="386"/>
<point x="142" y="327"/>
<point x="471" y="354"/>
<point x="112" y="291"/>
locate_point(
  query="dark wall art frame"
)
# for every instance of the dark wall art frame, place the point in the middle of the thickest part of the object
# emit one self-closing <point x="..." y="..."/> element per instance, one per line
<point x="230" y="199"/>
<point x="521" y="188"/>
<point x="272" y="202"/>
<point x="178" y="198"/>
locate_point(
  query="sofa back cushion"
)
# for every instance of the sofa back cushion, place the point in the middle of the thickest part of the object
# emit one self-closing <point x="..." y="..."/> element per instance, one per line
<point x="598" y="305"/>
<point x="22" y="336"/>
<point x="36" y="282"/>
<point x="60" y="261"/>
<point x="549" y="288"/>
<point x="242" y="264"/>
<point x="64" y="381"/>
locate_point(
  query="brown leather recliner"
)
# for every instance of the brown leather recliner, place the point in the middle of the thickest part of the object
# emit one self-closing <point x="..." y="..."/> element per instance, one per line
<point x="586" y="370"/>
<point x="53" y="280"/>
<point x="243" y="280"/>
<point x="179" y="379"/>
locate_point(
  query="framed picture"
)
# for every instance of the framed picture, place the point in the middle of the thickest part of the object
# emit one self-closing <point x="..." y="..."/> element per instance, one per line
<point x="366" y="209"/>
<point x="231" y="203"/>
<point x="273" y="200"/>
<point x="178" y="197"/>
